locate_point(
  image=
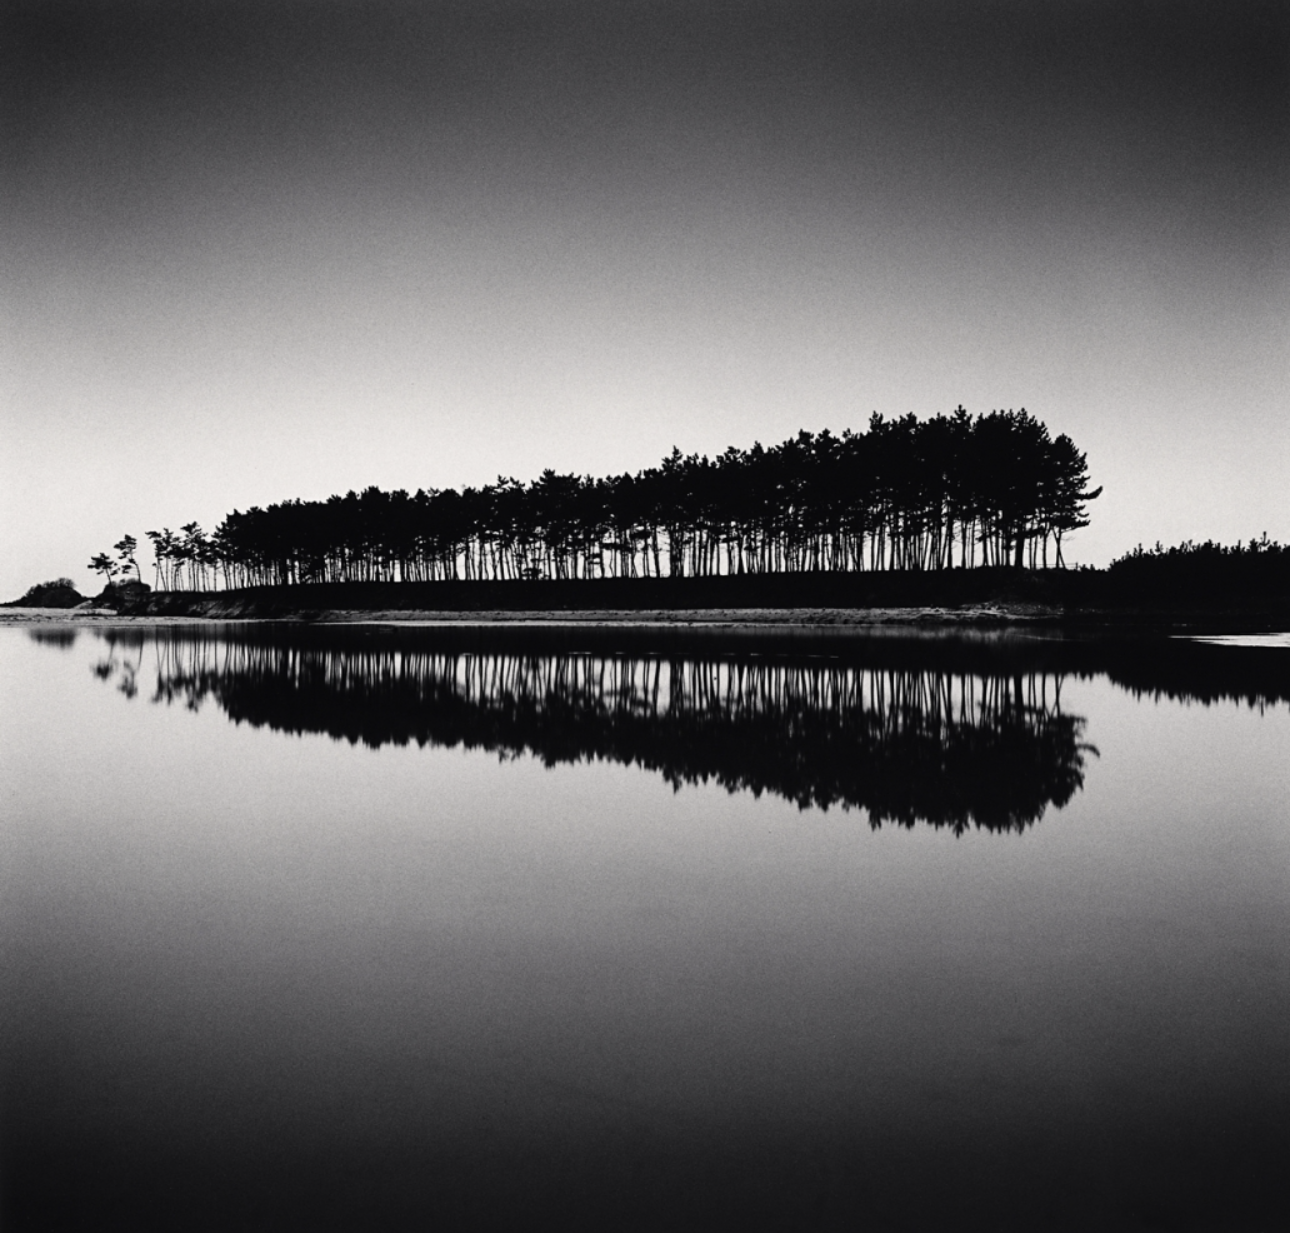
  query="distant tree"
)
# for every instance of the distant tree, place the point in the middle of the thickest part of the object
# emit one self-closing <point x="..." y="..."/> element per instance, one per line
<point x="160" y="551"/>
<point x="907" y="494"/>
<point x="194" y="551"/>
<point x="125" y="550"/>
<point x="103" y="564"/>
<point x="165" y="551"/>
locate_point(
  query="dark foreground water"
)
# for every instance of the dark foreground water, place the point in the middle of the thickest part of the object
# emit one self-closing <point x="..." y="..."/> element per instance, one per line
<point x="411" y="929"/>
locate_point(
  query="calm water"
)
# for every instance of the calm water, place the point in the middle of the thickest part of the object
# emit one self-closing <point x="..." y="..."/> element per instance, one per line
<point x="390" y="929"/>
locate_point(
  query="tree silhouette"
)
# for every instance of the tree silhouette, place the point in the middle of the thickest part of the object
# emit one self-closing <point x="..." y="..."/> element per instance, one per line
<point x="103" y="564"/>
<point x="908" y="494"/>
<point x="125" y="550"/>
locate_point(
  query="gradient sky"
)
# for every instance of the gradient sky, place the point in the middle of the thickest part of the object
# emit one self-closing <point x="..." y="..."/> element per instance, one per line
<point x="271" y="250"/>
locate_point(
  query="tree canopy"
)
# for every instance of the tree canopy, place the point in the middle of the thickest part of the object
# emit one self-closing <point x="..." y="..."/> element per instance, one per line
<point x="905" y="494"/>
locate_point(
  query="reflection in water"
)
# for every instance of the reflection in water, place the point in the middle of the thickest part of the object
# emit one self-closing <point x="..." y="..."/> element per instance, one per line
<point x="62" y="638"/>
<point x="257" y="983"/>
<point x="954" y="749"/>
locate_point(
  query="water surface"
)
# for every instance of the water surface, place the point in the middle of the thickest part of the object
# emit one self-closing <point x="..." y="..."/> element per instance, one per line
<point x="388" y="928"/>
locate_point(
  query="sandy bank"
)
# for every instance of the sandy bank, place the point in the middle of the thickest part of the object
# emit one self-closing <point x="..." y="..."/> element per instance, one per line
<point x="88" y="616"/>
<point x="984" y="614"/>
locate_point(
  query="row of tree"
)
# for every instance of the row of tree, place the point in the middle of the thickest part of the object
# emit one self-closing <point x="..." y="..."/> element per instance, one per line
<point x="905" y="494"/>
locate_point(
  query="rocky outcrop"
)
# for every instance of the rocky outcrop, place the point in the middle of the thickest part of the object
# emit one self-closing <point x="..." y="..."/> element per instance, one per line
<point x="124" y="597"/>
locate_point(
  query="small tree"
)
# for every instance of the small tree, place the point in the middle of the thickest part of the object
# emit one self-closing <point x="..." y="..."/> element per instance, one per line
<point x="125" y="551"/>
<point x="103" y="564"/>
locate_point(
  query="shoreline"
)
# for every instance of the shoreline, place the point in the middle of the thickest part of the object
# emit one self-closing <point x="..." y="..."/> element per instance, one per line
<point x="1039" y="619"/>
<point x="993" y="614"/>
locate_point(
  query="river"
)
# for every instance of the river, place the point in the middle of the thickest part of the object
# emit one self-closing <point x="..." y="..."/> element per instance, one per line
<point x="390" y="928"/>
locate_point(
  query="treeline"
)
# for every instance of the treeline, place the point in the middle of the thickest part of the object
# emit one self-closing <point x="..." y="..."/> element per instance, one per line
<point x="1260" y="568"/>
<point x="907" y="494"/>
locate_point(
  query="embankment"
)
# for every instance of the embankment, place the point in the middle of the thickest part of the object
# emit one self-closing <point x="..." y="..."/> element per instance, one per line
<point x="983" y="596"/>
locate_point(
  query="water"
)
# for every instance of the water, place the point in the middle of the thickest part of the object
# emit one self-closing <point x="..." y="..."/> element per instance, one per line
<point x="378" y="928"/>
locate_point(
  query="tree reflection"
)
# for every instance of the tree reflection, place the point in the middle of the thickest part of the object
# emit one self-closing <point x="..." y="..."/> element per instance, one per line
<point x="61" y="638"/>
<point x="122" y="662"/>
<point x="905" y="743"/>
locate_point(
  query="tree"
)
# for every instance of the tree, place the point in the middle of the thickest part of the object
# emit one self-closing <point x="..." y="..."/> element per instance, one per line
<point x="163" y="553"/>
<point x="125" y="550"/>
<point x="1069" y="485"/>
<point x="103" y="564"/>
<point x="993" y="490"/>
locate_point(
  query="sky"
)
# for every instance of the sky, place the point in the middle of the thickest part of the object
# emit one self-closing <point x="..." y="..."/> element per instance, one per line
<point x="259" y="251"/>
